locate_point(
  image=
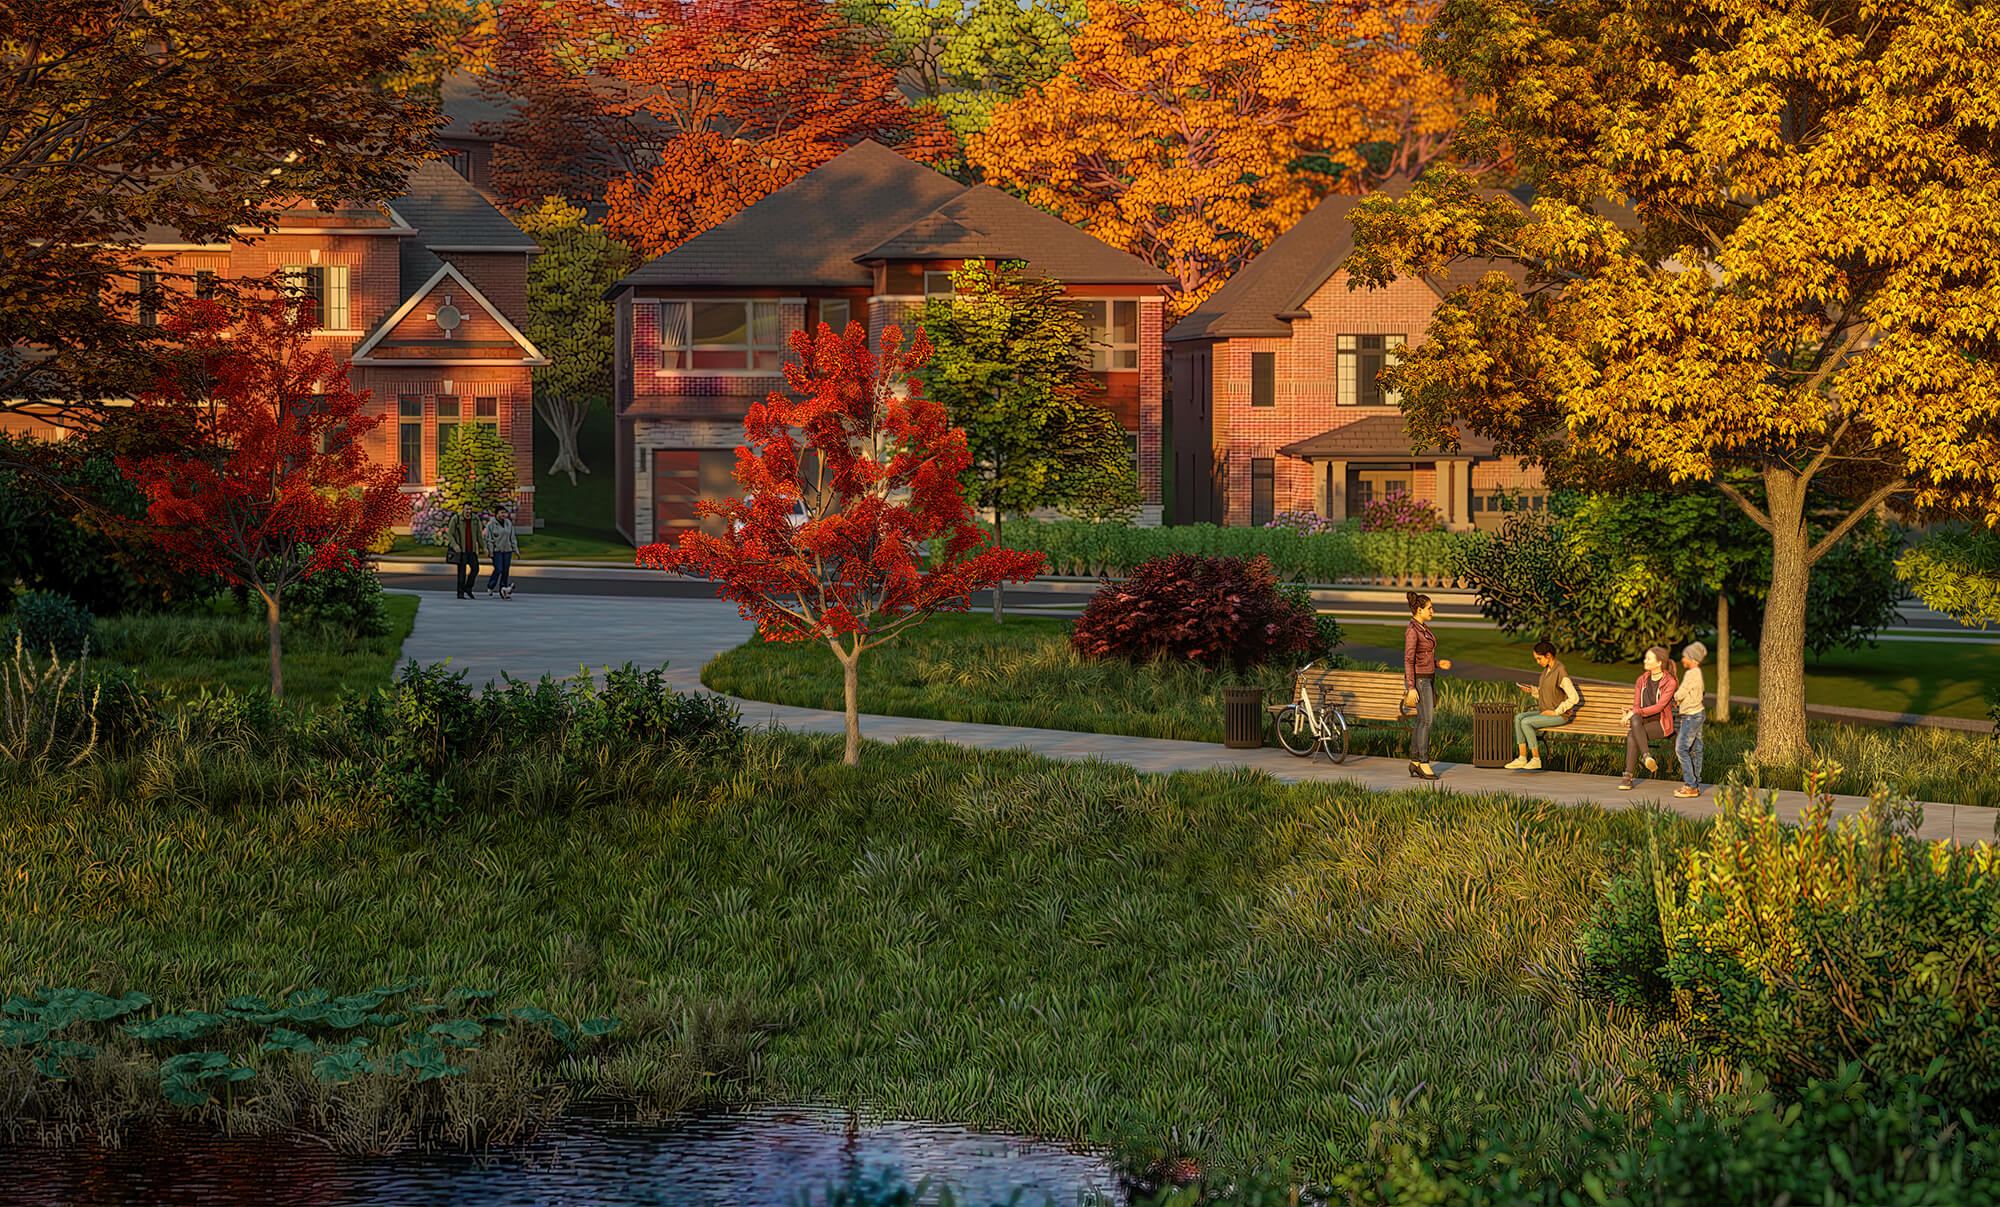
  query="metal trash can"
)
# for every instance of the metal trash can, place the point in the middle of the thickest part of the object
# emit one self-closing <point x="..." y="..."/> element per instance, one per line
<point x="1242" y="717"/>
<point x="1492" y="733"/>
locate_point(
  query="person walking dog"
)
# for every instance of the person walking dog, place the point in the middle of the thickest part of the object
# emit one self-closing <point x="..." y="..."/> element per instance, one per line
<point x="1420" y="667"/>
<point x="1558" y="699"/>
<point x="1652" y="709"/>
<point x="462" y="538"/>
<point x="501" y="546"/>
<point x="1690" y="717"/>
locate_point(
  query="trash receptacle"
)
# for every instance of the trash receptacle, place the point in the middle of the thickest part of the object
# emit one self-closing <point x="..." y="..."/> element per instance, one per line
<point x="1492" y="733"/>
<point x="1242" y="717"/>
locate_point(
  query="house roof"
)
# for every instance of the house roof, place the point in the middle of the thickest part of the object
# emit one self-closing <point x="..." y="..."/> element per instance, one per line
<point x="450" y="215"/>
<point x="466" y="104"/>
<point x="1378" y="437"/>
<point x="985" y="223"/>
<point x="870" y="203"/>
<point x="446" y="273"/>
<point x="1297" y="263"/>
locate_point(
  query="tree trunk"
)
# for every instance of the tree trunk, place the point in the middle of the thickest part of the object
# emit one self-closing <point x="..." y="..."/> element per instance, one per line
<point x="850" y="676"/>
<point x="1721" y="656"/>
<point x="564" y="419"/>
<point x="1781" y="653"/>
<point x="998" y="588"/>
<point x="277" y="646"/>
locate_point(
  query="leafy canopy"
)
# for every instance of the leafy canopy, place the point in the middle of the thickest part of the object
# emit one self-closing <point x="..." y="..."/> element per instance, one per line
<point x="476" y="474"/>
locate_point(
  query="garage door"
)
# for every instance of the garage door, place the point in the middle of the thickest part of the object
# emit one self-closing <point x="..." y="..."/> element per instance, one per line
<point x="681" y="478"/>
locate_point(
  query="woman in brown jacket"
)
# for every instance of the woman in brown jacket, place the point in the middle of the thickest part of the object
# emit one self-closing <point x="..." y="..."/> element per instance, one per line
<point x="1420" y="667"/>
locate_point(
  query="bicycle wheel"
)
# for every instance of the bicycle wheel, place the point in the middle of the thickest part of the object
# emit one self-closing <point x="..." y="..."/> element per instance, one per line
<point x="1295" y="732"/>
<point x="1336" y="735"/>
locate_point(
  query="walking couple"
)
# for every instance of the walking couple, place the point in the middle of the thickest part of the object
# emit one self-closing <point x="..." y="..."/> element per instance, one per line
<point x="1660" y="702"/>
<point x="465" y="538"/>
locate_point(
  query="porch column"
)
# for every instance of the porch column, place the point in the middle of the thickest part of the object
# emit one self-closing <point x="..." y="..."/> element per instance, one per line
<point x="1463" y="492"/>
<point x="1333" y="488"/>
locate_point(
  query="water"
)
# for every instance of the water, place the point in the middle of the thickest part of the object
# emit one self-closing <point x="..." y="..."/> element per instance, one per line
<point x="768" y="1155"/>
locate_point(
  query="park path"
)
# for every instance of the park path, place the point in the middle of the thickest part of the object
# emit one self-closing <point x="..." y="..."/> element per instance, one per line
<point x="530" y="635"/>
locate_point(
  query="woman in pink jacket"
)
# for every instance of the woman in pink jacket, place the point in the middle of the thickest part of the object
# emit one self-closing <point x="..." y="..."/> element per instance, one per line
<point x="1651" y="715"/>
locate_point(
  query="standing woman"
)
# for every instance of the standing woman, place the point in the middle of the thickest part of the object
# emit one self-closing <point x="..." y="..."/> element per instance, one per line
<point x="1420" y="667"/>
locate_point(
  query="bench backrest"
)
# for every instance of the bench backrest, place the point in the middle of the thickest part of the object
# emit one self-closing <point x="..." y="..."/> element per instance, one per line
<point x="1373" y="695"/>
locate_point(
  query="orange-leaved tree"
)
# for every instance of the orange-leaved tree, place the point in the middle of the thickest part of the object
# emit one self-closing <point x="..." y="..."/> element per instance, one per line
<point x="678" y="113"/>
<point x="1193" y="132"/>
<point x="888" y="537"/>
<point x="269" y="483"/>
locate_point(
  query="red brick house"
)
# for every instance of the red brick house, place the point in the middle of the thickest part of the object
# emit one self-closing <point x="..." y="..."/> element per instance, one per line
<point x="1276" y="405"/>
<point x="424" y="298"/>
<point x="702" y="331"/>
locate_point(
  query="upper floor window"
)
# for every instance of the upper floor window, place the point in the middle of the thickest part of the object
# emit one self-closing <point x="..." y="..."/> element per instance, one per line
<point x="1114" y="333"/>
<point x="746" y="335"/>
<point x="834" y="312"/>
<point x="1263" y="379"/>
<point x="938" y="284"/>
<point x="321" y="290"/>
<point x="151" y="299"/>
<point x="1359" y="358"/>
<point x="460" y="161"/>
<point x="204" y="284"/>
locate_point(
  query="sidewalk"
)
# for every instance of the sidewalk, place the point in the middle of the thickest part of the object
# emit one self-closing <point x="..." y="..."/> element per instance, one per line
<point x="529" y="636"/>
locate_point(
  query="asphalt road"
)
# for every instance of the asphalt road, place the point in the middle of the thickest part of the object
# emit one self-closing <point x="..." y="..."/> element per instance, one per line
<point x="663" y="587"/>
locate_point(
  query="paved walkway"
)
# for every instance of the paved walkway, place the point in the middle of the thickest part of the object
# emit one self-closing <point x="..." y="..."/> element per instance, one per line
<point x="529" y="636"/>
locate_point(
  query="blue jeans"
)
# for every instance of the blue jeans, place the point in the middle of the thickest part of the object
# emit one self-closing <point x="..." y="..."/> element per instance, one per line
<point x="1687" y="748"/>
<point x="1527" y="727"/>
<point x="503" y="566"/>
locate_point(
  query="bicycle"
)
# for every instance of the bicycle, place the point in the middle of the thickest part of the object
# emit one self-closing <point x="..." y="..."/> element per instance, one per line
<point x="1302" y="728"/>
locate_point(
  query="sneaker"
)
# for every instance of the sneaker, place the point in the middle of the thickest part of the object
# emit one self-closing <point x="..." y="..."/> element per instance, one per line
<point x="1626" y="784"/>
<point x="489" y="595"/>
<point x="1535" y="764"/>
<point x="1652" y="764"/>
<point x="1517" y="765"/>
<point x="1685" y="791"/>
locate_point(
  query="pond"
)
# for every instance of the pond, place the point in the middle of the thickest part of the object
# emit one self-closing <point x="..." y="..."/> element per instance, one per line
<point x="766" y="1155"/>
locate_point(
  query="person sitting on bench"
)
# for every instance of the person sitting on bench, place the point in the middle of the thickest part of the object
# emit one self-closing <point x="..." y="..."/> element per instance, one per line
<point x="1558" y="698"/>
<point x="1651" y="714"/>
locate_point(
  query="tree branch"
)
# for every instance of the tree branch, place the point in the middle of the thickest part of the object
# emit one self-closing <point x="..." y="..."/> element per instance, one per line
<point x="1875" y="499"/>
<point x="1756" y="513"/>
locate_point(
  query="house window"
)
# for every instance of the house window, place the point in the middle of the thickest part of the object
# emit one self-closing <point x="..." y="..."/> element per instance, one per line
<point x="150" y="299"/>
<point x="1368" y="483"/>
<point x="938" y="284"/>
<point x="1114" y="333"/>
<point x="321" y="290"/>
<point x="447" y="422"/>
<point x="1263" y="379"/>
<point x="1360" y="358"/>
<point x="1263" y="490"/>
<point x="460" y="161"/>
<point x="204" y="284"/>
<point x="834" y="314"/>
<point x="486" y="410"/>
<point x="722" y="335"/>
<point x="410" y="438"/>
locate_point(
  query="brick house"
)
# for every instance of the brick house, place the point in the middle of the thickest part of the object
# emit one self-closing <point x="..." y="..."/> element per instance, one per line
<point x="702" y="331"/>
<point x="424" y="298"/>
<point x="1276" y="405"/>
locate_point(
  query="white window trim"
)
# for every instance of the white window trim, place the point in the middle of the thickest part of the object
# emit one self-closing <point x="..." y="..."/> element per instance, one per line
<point x="750" y="350"/>
<point x="285" y="272"/>
<point x="1106" y="347"/>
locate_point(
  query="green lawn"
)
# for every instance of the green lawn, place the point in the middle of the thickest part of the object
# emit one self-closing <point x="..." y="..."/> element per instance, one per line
<point x="1947" y="679"/>
<point x="988" y="938"/>
<point x="222" y="648"/>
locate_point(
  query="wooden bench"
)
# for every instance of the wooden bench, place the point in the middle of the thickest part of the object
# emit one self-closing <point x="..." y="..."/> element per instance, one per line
<point x="1363" y="698"/>
<point x="1596" y="719"/>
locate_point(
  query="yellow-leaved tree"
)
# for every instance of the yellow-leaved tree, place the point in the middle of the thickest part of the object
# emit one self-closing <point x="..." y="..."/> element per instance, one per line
<point x="1799" y="301"/>
<point x="1193" y="132"/>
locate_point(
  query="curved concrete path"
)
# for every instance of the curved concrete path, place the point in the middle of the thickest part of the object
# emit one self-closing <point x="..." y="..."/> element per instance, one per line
<point x="529" y="636"/>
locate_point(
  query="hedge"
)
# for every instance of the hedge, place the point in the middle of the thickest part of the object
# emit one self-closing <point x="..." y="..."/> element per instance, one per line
<point x="1419" y="559"/>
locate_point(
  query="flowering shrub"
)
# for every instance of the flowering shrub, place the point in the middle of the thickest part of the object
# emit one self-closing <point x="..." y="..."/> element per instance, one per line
<point x="428" y="519"/>
<point x="1304" y="521"/>
<point x="1211" y="610"/>
<point x="1399" y="512"/>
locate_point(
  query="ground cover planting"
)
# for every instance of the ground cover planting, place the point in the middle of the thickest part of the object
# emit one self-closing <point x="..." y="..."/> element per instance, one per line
<point x="222" y="647"/>
<point x="963" y="668"/>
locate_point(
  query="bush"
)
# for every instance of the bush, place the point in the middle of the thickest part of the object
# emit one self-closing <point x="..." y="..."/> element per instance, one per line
<point x="1305" y="522"/>
<point x="1327" y="633"/>
<point x="1399" y="512"/>
<point x="477" y="473"/>
<point x="348" y="598"/>
<point x="51" y="624"/>
<point x="1214" y="611"/>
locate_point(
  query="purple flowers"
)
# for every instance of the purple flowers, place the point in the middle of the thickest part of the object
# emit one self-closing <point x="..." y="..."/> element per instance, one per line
<point x="1399" y="512"/>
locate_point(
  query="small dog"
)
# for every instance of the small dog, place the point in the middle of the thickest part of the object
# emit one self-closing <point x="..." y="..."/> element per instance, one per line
<point x="507" y="592"/>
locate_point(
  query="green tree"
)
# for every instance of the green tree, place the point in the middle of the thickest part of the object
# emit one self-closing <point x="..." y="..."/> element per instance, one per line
<point x="965" y="58"/>
<point x="476" y="473"/>
<point x="1957" y="573"/>
<point x="1010" y="364"/>
<point x="569" y="320"/>
<point x="1802" y="285"/>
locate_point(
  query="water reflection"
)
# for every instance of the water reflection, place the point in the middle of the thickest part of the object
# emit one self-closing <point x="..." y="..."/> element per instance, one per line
<point x="769" y="1155"/>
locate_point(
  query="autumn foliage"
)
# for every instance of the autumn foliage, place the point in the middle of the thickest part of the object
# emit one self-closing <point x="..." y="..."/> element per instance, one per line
<point x="888" y="539"/>
<point x="679" y="113"/>
<point x="1193" y="132"/>
<point x="269" y="484"/>
<point x="1217" y="611"/>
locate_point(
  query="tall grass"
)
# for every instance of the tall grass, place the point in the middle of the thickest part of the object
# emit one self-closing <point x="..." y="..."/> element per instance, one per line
<point x="228" y="649"/>
<point x="1024" y="673"/>
<point x="989" y="938"/>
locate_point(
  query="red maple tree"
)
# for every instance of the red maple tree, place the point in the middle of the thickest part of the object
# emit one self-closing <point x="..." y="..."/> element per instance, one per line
<point x="268" y="484"/>
<point x="888" y="538"/>
<point x="679" y="113"/>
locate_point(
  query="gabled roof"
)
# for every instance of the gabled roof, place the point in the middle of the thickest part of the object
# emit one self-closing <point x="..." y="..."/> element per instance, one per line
<point x="985" y="223"/>
<point x="870" y="203"/>
<point x="1379" y="437"/>
<point x="530" y="354"/>
<point x="450" y="215"/>
<point x="466" y="104"/>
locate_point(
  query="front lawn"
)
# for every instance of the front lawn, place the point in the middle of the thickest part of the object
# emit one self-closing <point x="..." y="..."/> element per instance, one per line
<point x="963" y="668"/>
<point x="220" y="647"/>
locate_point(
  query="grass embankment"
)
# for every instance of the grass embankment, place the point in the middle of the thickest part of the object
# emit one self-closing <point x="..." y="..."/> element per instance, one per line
<point x="223" y="648"/>
<point x="962" y="668"/>
<point x="1945" y="679"/>
<point x="987" y="938"/>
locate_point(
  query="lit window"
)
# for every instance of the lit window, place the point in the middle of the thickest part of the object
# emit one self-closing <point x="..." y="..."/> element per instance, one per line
<point x="1360" y="358"/>
<point x="722" y="335"/>
<point x="321" y="290"/>
<point x="1114" y="333"/>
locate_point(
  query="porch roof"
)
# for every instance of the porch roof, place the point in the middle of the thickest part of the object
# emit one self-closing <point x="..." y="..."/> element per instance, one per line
<point x="1380" y="438"/>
